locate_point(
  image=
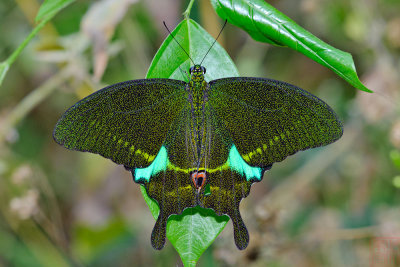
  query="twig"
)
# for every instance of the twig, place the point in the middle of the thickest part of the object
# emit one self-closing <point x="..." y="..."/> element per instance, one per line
<point x="186" y="14"/>
<point x="31" y="101"/>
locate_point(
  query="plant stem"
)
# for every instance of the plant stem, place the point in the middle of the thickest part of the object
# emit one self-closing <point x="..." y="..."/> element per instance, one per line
<point x="15" y="54"/>
<point x="5" y="65"/>
<point x="10" y="60"/>
<point x="188" y="9"/>
<point x="32" y="100"/>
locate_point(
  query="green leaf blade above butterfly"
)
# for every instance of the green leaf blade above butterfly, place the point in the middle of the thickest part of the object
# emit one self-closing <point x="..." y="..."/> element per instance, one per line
<point x="171" y="61"/>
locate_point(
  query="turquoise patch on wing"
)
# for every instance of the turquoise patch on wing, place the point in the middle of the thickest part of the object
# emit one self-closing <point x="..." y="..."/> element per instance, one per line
<point x="159" y="164"/>
<point x="236" y="163"/>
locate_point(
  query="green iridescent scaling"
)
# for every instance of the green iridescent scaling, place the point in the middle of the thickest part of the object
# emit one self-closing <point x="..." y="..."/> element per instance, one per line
<point x="177" y="137"/>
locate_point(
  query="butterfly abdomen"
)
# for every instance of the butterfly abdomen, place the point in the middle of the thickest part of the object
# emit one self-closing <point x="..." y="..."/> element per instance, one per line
<point x="199" y="179"/>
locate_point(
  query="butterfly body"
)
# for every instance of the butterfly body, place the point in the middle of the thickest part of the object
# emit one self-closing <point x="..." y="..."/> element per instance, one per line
<point x="179" y="139"/>
<point x="197" y="97"/>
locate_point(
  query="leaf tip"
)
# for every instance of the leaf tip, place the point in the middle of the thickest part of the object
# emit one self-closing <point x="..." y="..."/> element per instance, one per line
<point x="362" y="87"/>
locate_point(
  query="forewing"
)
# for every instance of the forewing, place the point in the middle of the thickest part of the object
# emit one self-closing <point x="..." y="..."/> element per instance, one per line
<point x="125" y="122"/>
<point x="269" y="120"/>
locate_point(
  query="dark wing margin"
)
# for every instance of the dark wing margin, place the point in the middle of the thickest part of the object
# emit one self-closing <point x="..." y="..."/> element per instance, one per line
<point x="126" y="122"/>
<point x="269" y="120"/>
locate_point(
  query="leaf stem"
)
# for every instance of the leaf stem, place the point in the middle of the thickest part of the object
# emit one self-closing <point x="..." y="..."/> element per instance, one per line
<point x="5" y="65"/>
<point x="10" y="60"/>
<point x="188" y="9"/>
<point x="31" y="101"/>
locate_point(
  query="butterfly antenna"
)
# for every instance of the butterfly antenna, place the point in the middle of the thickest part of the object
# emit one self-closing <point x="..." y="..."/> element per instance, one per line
<point x="214" y="41"/>
<point x="165" y="25"/>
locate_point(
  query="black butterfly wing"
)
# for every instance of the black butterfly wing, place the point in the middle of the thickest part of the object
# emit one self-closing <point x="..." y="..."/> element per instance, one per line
<point x="269" y="120"/>
<point x="125" y="122"/>
<point x="250" y="123"/>
<point x="171" y="184"/>
<point x="238" y="126"/>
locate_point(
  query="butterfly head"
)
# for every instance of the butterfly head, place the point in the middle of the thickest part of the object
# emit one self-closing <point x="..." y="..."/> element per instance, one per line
<point x="197" y="72"/>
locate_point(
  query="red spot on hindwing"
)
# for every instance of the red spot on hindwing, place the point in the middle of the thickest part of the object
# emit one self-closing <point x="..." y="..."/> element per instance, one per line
<point x="199" y="179"/>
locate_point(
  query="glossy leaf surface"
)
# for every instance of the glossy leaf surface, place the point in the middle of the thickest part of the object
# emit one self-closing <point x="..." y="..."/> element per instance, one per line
<point x="264" y="23"/>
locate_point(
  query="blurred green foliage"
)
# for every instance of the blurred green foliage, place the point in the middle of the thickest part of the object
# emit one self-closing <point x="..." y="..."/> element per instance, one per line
<point x="318" y="208"/>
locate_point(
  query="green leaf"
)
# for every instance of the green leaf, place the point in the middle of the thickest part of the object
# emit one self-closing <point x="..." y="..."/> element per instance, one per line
<point x="154" y="209"/>
<point x="266" y="24"/>
<point x="51" y="7"/>
<point x="172" y="62"/>
<point x="193" y="231"/>
<point x="395" y="157"/>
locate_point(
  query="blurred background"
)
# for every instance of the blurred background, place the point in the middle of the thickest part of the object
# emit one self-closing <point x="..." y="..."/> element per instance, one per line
<point x="332" y="206"/>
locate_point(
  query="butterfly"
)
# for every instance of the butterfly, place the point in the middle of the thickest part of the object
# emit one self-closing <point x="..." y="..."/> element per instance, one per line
<point x="198" y="143"/>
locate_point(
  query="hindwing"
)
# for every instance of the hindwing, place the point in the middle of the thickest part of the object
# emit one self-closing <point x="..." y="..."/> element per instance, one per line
<point x="169" y="179"/>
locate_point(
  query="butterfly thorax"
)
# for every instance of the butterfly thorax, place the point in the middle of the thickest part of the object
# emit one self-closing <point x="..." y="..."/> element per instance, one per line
<point x="197" y="98"/>
<point x="197" y="91"/>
